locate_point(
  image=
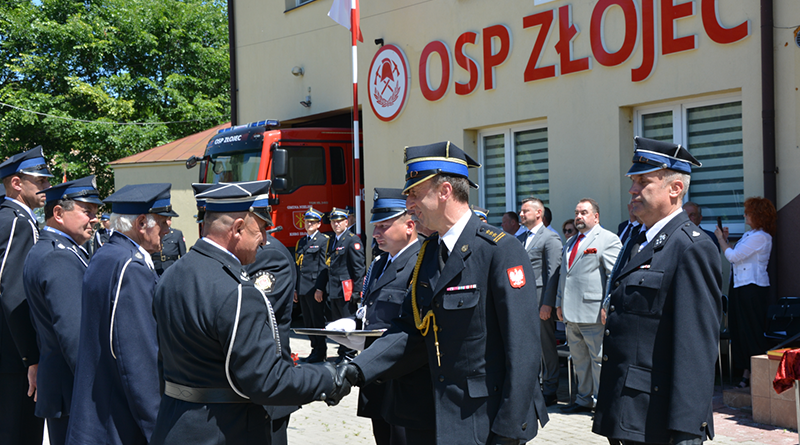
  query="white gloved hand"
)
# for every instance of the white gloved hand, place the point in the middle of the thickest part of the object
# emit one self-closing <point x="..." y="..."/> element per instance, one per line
<point x="342" y="324"/>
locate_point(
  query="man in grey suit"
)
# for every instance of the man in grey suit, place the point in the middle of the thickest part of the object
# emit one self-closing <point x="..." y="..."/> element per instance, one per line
<point x="544" y="250"/>
<point x="586" y="263"/>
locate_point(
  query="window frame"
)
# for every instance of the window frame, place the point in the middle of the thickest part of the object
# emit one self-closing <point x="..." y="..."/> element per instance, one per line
<point x="509" y="155"/>
<point x="680" y="135"/>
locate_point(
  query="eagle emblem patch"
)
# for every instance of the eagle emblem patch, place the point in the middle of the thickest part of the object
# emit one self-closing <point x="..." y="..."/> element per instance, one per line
<point x="357" y="246"/>
<point x="516" y="277"/>
<point x="265" y="282"/>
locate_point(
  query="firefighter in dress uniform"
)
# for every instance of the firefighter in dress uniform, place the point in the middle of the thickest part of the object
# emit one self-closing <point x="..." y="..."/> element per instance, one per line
<point x="311" y="256"/>
<point x="401" y="409"/>
<point x="24" y="175"/>
<point x="220" y="341"/>
<point x="173" y="246"/>
<point x="344" y="276"/>
<point x="470" y="316"/>
<point x="53" y="276"/>
<point x="117" y="387"/>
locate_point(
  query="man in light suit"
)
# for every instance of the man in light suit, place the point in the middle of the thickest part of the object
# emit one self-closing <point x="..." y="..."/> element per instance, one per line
<point x="587" y="261"/>
<point x="544" y="250"/>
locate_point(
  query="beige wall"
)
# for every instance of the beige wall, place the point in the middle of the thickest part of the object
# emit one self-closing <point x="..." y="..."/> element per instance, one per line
<point x="589" y="114"/>
<point x="181" y="193"/>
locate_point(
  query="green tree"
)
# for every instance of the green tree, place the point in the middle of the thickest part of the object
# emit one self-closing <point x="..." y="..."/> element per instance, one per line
<point x="105" y="62"/>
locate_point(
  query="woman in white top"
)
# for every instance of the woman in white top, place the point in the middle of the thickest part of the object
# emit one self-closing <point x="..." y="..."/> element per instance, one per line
<point x="749" y="297"/>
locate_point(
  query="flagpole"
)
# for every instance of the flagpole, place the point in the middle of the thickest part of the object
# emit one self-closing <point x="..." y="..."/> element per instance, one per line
<point x="356" y="148"/>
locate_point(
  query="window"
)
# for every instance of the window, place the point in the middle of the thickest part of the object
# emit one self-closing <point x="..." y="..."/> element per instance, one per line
<point x="712" y="131"/>
<point x="515" y="167"/>
<point x="292" y="4"/>
<point x="338" y="171"/>
<point x="234" y="166"/>
<point x="306" y="166"/>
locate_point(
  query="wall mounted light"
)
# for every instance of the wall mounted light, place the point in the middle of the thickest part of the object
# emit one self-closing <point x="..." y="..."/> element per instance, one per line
<point x="307" y="103"/>
<point x="298" y="71"/>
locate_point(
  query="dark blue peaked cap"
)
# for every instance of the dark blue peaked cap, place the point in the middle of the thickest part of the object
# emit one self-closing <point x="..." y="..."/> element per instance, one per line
<point x="137" y="199"/>
<point x="231" y="197"/>
<point x="337" y="214"/>
<point x="313" y="214"/>
<point x="30" y="162"/>
<point x="200" y="187"/>
<point x="387" y="203"/>
<point x="84" y="190"/>
<point x="650" y="155"/>
<point x="426" y="161"/>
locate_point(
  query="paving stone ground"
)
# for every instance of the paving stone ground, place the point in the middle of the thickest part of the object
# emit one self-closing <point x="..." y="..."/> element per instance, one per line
<point x="318" y="424"/>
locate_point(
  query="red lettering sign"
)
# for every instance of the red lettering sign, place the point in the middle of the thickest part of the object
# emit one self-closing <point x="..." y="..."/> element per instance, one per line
<point x="714" y="28"/>
<point x="567" y="32"/>
<point x="648" y="43"/>
<point x="671" y="12"/>
<point x="545" y="20"/>
<point x="601" y="53"/>
<point x="492" y="56"/>
<point x="467" y="63"/>
<point x="440" y="48"/>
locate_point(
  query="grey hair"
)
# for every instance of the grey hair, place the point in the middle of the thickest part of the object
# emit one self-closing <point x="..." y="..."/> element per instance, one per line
<point x="124" y="223"/>
<point x="672" y="175"/>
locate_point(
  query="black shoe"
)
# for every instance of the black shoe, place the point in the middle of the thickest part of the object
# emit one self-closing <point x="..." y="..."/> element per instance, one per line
<point x="574" y="408"/>
<point x="550" y="399"/>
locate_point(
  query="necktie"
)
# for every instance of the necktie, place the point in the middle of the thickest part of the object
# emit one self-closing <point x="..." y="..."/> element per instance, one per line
<point x="637" y="243"/>
<point x="442" y="255"/>
<point x="626" y="232"/>
<point x="528" y="239"/>
<point x="574" y="250"/>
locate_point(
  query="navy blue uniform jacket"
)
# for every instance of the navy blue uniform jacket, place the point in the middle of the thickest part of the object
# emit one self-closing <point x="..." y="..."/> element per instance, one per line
<point x="197" y="304"/>
<point x="485" y="306"/>
<point x="274" y="273"/>
<point x="53" y="276"/>
<point x="117" y="391"/>
<point x="310" y="257"/>
<point x="661" y="338"/>
<point x="407" y="400"/>
<point x="346" y="261"/>
<point x="18" y="348"/>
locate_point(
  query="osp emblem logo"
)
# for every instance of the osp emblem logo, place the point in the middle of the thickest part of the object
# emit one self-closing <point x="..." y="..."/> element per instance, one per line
<point x="299" y="219"/>
<point x="389" y="82"/>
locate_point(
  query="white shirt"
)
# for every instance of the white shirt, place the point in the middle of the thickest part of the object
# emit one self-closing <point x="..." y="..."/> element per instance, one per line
<point x="750" y="257"/>
<point x="451" y="236"/>
<point x="653" y="231"/>
<point x="209" y="241"/>
<point x="147" y="258"/>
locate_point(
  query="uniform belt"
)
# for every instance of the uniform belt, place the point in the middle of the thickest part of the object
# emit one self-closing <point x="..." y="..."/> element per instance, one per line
<point x="202" y="395"/>
<point x="169" y="257"/>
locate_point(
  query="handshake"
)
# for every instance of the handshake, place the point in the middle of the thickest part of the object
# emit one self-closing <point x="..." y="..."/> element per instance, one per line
<point x="345" y="376"/>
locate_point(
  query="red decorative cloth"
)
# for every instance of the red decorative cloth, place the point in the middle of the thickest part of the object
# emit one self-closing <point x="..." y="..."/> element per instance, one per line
<point x="788" y="371"/>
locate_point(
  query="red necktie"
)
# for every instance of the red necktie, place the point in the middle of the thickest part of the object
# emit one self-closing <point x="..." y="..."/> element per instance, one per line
<point x="574" y="250"/>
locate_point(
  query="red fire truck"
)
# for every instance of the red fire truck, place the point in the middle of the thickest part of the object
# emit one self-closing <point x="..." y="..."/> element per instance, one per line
<point x="307" y="166"/>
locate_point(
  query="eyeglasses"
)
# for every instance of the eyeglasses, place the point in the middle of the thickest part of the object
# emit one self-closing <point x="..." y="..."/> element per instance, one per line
<point x="568" y="231"/>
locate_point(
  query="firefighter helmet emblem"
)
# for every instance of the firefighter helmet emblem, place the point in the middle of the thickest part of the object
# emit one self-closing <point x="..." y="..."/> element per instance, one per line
<point x="388" y="82"/>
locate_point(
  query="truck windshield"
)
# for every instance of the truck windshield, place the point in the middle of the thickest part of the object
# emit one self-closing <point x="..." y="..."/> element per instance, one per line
<point x="234" y="166"/>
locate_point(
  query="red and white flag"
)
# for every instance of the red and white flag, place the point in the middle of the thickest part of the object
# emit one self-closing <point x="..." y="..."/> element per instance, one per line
<point x="344" y="12"/>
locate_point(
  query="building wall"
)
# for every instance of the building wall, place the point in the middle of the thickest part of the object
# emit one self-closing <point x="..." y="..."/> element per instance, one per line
<point x="181" y="193"/>
<point x="590" y="115"/>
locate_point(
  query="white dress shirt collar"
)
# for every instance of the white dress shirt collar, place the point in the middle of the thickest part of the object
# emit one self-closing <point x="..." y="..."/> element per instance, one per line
<point x="451" y="236"/>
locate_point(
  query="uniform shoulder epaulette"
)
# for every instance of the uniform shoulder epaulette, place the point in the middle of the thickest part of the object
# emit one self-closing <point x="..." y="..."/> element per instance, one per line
<point x="693" y="232"/>
<point x="491" y="233"/>
<point x="351" y="234"/>
<point x="325" y="235"/>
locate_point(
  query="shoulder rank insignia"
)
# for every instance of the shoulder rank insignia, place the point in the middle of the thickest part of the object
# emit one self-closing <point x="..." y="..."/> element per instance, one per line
<point x="138" y="255"/>
<point x="265" y="281"/>
<point x="660" y="240"/>
<point x="61" y="246"/>
<point x="695" y="233"/>
<point x="495" y="235"/>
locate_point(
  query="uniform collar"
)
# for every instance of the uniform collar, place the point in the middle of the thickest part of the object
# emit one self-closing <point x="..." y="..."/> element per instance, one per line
<point x="147" y="257"/>
<point x="450" y="238"/>
<point x="209" y="241"/>
<point x="653" y="231"/>
<point x="22" y="204"/>
<point x="391" y="258"/>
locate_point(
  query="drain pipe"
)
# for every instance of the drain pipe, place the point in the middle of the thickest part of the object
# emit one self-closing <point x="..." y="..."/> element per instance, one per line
<point x="232" y="57"/>
<point x="768" y="101"/>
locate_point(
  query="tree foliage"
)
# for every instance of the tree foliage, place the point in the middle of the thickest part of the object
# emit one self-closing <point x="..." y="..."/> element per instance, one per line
<point x="109" y="61"/>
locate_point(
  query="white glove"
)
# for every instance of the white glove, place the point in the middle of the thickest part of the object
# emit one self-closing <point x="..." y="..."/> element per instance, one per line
<point x="342" y="324"/>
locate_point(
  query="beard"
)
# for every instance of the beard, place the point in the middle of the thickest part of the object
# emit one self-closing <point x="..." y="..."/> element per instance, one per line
<point x="580" y="225"/>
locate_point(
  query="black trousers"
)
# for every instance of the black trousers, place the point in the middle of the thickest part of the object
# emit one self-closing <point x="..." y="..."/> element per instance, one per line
<point x="387" y="434"/>
<point x="550" y="369"/>
<point x="314" y="317"/>
<point x="18" y="424"/>
<point x="57" y="430"/>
